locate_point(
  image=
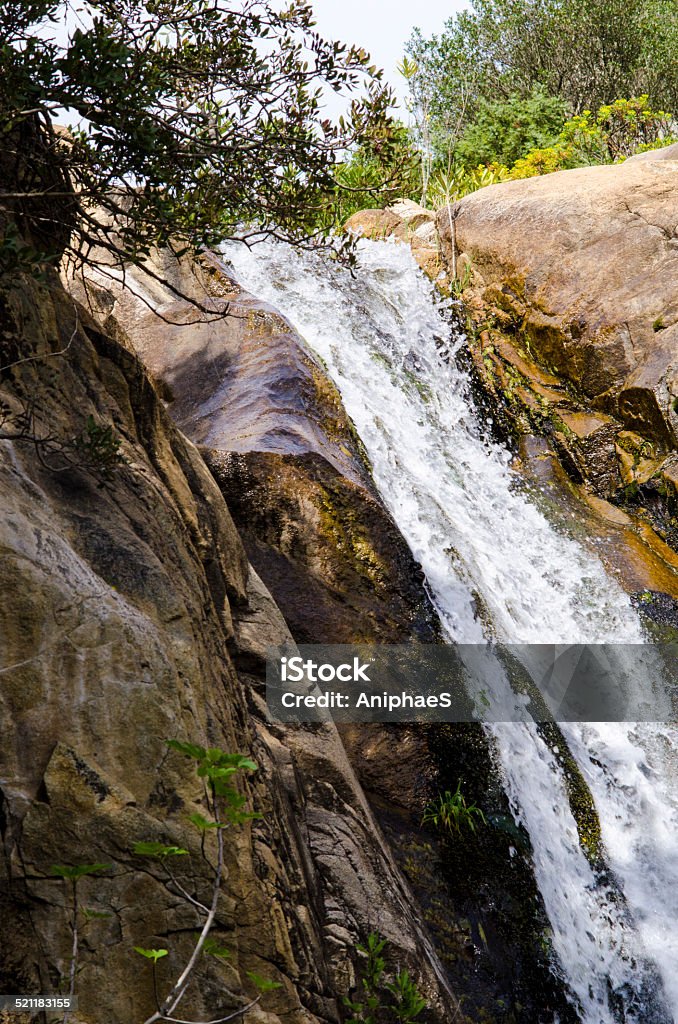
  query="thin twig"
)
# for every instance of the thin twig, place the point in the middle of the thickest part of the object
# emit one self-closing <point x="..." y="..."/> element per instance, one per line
<point x="74" y="950"/>
<point x="218" y="1020"/>
<point x="185" y="893"/>
<point x="47" y="355"/>
<point x="175" y="996"/>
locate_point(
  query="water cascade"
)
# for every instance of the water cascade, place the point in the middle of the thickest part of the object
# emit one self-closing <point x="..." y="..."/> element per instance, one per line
<point x="496" y="567"/>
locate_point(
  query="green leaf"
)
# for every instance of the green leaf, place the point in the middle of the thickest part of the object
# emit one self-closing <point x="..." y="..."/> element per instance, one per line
<point x="76" y="871"/>
<point x="187" y="749"/>
<point x="94" y="915"/>
<point x="263" y="984"/>
<point x="149" y="849"/>
<point x="202" y="823"/>
<point x="151" y="954"/>
<point x="212" y="948"/>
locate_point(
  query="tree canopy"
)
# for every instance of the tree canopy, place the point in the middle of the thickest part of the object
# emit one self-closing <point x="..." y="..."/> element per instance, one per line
<point x="190" y="118"/>
<point x="585" y="52"/>
<point x="504" y="130"/>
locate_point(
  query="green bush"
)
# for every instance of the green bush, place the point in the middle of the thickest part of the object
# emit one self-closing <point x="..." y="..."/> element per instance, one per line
<point x="190" y="119"/>
<point x="542" y="161"/>
<point x="372" y="178"/>
<point x="617" y="130"/>
<point x="380" y="1000"/>
<point x="502" y="131"/>
<point x="446" y="187"/>
<point x="585" y="52"/>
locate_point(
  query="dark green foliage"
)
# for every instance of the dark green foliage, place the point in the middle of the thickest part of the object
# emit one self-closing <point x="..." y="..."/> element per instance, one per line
<point x="158" y="850"/>
<point x="191" y="118"/>
<point x="586" y="52"/>
<point x="218" y="769"/>
<point x="407" y="1002"/>
<point x="261" y="983"/>
<point x="383" y="999"/>
<point x="74" y="872"/>
<point x="98" y="448"/>
<point x="17" y="256"/>
<point x="451" y="812"/>
<point x="214" y="948"/>
<point x="502" y="131"/>
<point x="374" y="176"/>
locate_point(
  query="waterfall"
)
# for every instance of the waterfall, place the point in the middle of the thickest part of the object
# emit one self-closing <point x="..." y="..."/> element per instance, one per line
<point x="495" y="566"/>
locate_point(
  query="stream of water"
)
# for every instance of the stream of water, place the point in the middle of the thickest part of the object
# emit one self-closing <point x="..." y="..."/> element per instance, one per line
<point x="496" y="566"/>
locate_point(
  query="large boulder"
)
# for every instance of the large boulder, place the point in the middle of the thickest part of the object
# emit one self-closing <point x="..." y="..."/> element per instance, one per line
<point x="571" y="280"/>
<point x="586" y="262"/>
<point x="375" y="224"/>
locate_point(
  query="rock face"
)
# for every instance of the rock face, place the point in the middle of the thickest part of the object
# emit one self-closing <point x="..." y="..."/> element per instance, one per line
<point x="573" y="292"/>
<point x="130" y="614"/>
<point x="273" y="430"/>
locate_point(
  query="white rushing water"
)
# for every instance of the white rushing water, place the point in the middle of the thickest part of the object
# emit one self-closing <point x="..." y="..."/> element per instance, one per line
<point x="496" y="566"/>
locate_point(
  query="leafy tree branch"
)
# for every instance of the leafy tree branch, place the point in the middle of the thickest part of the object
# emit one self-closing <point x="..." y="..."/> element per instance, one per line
<point x="189" y="119"/>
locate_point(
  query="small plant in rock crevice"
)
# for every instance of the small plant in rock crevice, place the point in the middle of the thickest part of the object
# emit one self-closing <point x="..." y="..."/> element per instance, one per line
<point x="99" y="448"/>
<point x="383" y="999"/>
<point x="450" y="812"/>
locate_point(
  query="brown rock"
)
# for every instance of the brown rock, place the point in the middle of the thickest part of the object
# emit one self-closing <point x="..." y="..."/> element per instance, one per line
<point x="590" y="443"/>
<point x="427" y="257"/>
<point x="588" y="259"/>
<point x="274" y="431"/>
<point x="373" y="223"/>
<point x="129" y="615"/>
<point x="340" y="571"/>
<point x="665" y="153"/>
<point x="427" y="234"/>
<point x="414" y="215"/>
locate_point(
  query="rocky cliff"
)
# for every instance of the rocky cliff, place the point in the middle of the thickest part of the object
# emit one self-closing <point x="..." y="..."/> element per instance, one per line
<point x="131" y="614"/>
<point x="569" y="284"/>
<point x="272" y="428"/>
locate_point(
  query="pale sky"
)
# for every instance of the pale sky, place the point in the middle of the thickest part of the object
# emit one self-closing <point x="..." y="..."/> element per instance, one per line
<point x="383" y="27"/>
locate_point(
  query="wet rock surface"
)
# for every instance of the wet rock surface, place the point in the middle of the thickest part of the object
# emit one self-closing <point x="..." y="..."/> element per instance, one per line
<point x="572" y="301"/>
<point x="129" y="615"/>
<point x="302" y="499"/>
<point x="404" y="221"/>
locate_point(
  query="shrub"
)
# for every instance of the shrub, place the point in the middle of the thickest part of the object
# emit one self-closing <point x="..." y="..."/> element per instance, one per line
<point x="447" y="186"/>
<point x="616" y="131"/>
<point x="191" y="119"/>
<point x="380" y="999"/>
<point x="583" y="51"/>
<point x="226" y="808"/>
<point x="450" y="812"/>
<point x="373" y="177"/>
<point x="504" y="130"/>
<point x="542" y="161"/>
